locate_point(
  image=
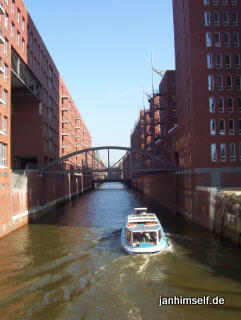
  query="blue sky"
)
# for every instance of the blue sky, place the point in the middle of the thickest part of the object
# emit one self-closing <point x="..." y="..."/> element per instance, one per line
<point x="102" y="49"/>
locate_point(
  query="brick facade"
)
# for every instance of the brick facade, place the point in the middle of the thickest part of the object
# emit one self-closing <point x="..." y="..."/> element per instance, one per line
<point x="39" y="121"/>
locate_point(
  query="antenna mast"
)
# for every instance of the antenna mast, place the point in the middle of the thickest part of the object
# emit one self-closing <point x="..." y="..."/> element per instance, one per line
<point x="152" y="80"/>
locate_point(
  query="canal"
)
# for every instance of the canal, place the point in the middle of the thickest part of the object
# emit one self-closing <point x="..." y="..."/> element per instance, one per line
<point x="70" y="266"/>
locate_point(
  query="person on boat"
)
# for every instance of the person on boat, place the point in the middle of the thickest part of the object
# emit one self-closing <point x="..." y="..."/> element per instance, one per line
<point x="147" y="237"/>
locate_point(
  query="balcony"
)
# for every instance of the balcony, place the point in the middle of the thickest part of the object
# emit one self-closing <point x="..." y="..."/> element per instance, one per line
<point x="65" y="133"/>
<point x="1" y="66"/>
<point x="65" y="108"/>
<point x="2" y="11"/>
<point x="65" y="147"/>
<point x="2" y="41"/>
<point x="65" y="96"/>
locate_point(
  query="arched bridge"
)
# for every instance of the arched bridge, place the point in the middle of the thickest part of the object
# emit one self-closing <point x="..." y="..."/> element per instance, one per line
<point x="87" y="162"/>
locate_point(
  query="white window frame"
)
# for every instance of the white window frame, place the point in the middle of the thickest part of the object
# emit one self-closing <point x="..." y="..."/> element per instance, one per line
<point x="229" y="87"/>
<point x="222" y="131"/>
<point x="226" y="39"/>
<point x="231" y="130"/>
<point x="239" y="126"/>
<point x="3" y="155"/>
<point x="23" y="45"/>
<point x="238" y="101"/>
<point x="13" y="6"/>
<point x="220" y="99"/>
<point x="207" y="20"/>
<point x="228" y="65"/>
<point x="211" y="104"/>
<point x="238" y="82"/>
<point x="216" y="22"/>
<point x="6" y="21"/>
<point x="232" y="151"/>
<point x="18" y="38"/>
<point x="209" y="61"/>
<point x="219" y="65"/>
<point x="237" y="61"/>
<point x="5" y="72"/>
<point x="217" y="39"/>
<point x="236" y="40"/>
<point x="234" y="21"/>
<point x="18" y="15"/>
<point x="225" y="18"/>
<point x="213" y="127"/>
<point x="6" y="47"/>
<point x="5" y="125"/>
<point x="208" y="39"/>
<point x="12" y="29"/>
<point x="210" y="82"/>
<point x="23" y="23"/>
<point x="220" y="82"/>
<point x="5" y="97"/>
<point x="223" y="152"/>
<point x="230" y="107"/>
<point x="213" y="152"/>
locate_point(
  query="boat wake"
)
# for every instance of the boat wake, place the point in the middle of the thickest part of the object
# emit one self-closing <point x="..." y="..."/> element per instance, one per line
<point x="143" y="267"/>
<point x="149" y="257"/>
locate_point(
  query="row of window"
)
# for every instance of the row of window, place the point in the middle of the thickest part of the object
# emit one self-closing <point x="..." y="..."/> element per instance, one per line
<point x="223" y="151"/>
<point x="226" y="60"/>
<point x="223" y="104"/>
<point x="216" y="41"/>
<point x="18" y="13"/>
<point x="221" y="128"/>
<point x="217" y="2"/>
<point x="3" y="155"/>
<point x="18" y="37"/>
<point x="21" y="42"/>
<point x="228" y="82"/>
<point x="216" y="18"/>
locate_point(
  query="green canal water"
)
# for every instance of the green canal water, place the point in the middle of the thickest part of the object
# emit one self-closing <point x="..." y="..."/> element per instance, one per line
<point x="70" y="266"/>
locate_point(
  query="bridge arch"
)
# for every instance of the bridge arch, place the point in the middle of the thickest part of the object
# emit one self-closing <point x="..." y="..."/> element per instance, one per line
<point x="164" y="165"/>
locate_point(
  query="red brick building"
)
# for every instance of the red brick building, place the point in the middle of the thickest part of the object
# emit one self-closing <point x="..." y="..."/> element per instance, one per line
<point x="151" y="130"/>
<point x="199" y="114"/>
<point x="151" y="134"/>
<point x="39" y="121"/>
<point x="208" y="91"/>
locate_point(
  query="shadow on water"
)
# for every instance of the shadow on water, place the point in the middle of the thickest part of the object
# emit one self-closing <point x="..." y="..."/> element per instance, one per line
<point x="106" y="207"/>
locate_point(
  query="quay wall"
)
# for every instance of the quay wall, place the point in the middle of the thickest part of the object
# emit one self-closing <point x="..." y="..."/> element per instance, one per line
<point x="160" y="187"/>
<point x="37" y="195"/>
<point x="215" y="208"/>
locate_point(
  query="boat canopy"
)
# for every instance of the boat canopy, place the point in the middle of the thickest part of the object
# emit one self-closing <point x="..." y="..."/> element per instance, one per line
<point x="143" y="218"/>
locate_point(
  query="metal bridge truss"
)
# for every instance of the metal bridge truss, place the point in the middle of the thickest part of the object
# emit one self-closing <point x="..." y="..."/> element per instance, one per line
<point x="133" y="162"/>
<point x="24" y="77"/>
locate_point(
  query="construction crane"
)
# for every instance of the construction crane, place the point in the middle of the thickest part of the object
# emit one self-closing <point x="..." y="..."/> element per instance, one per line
<point x="159" y="72"/>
